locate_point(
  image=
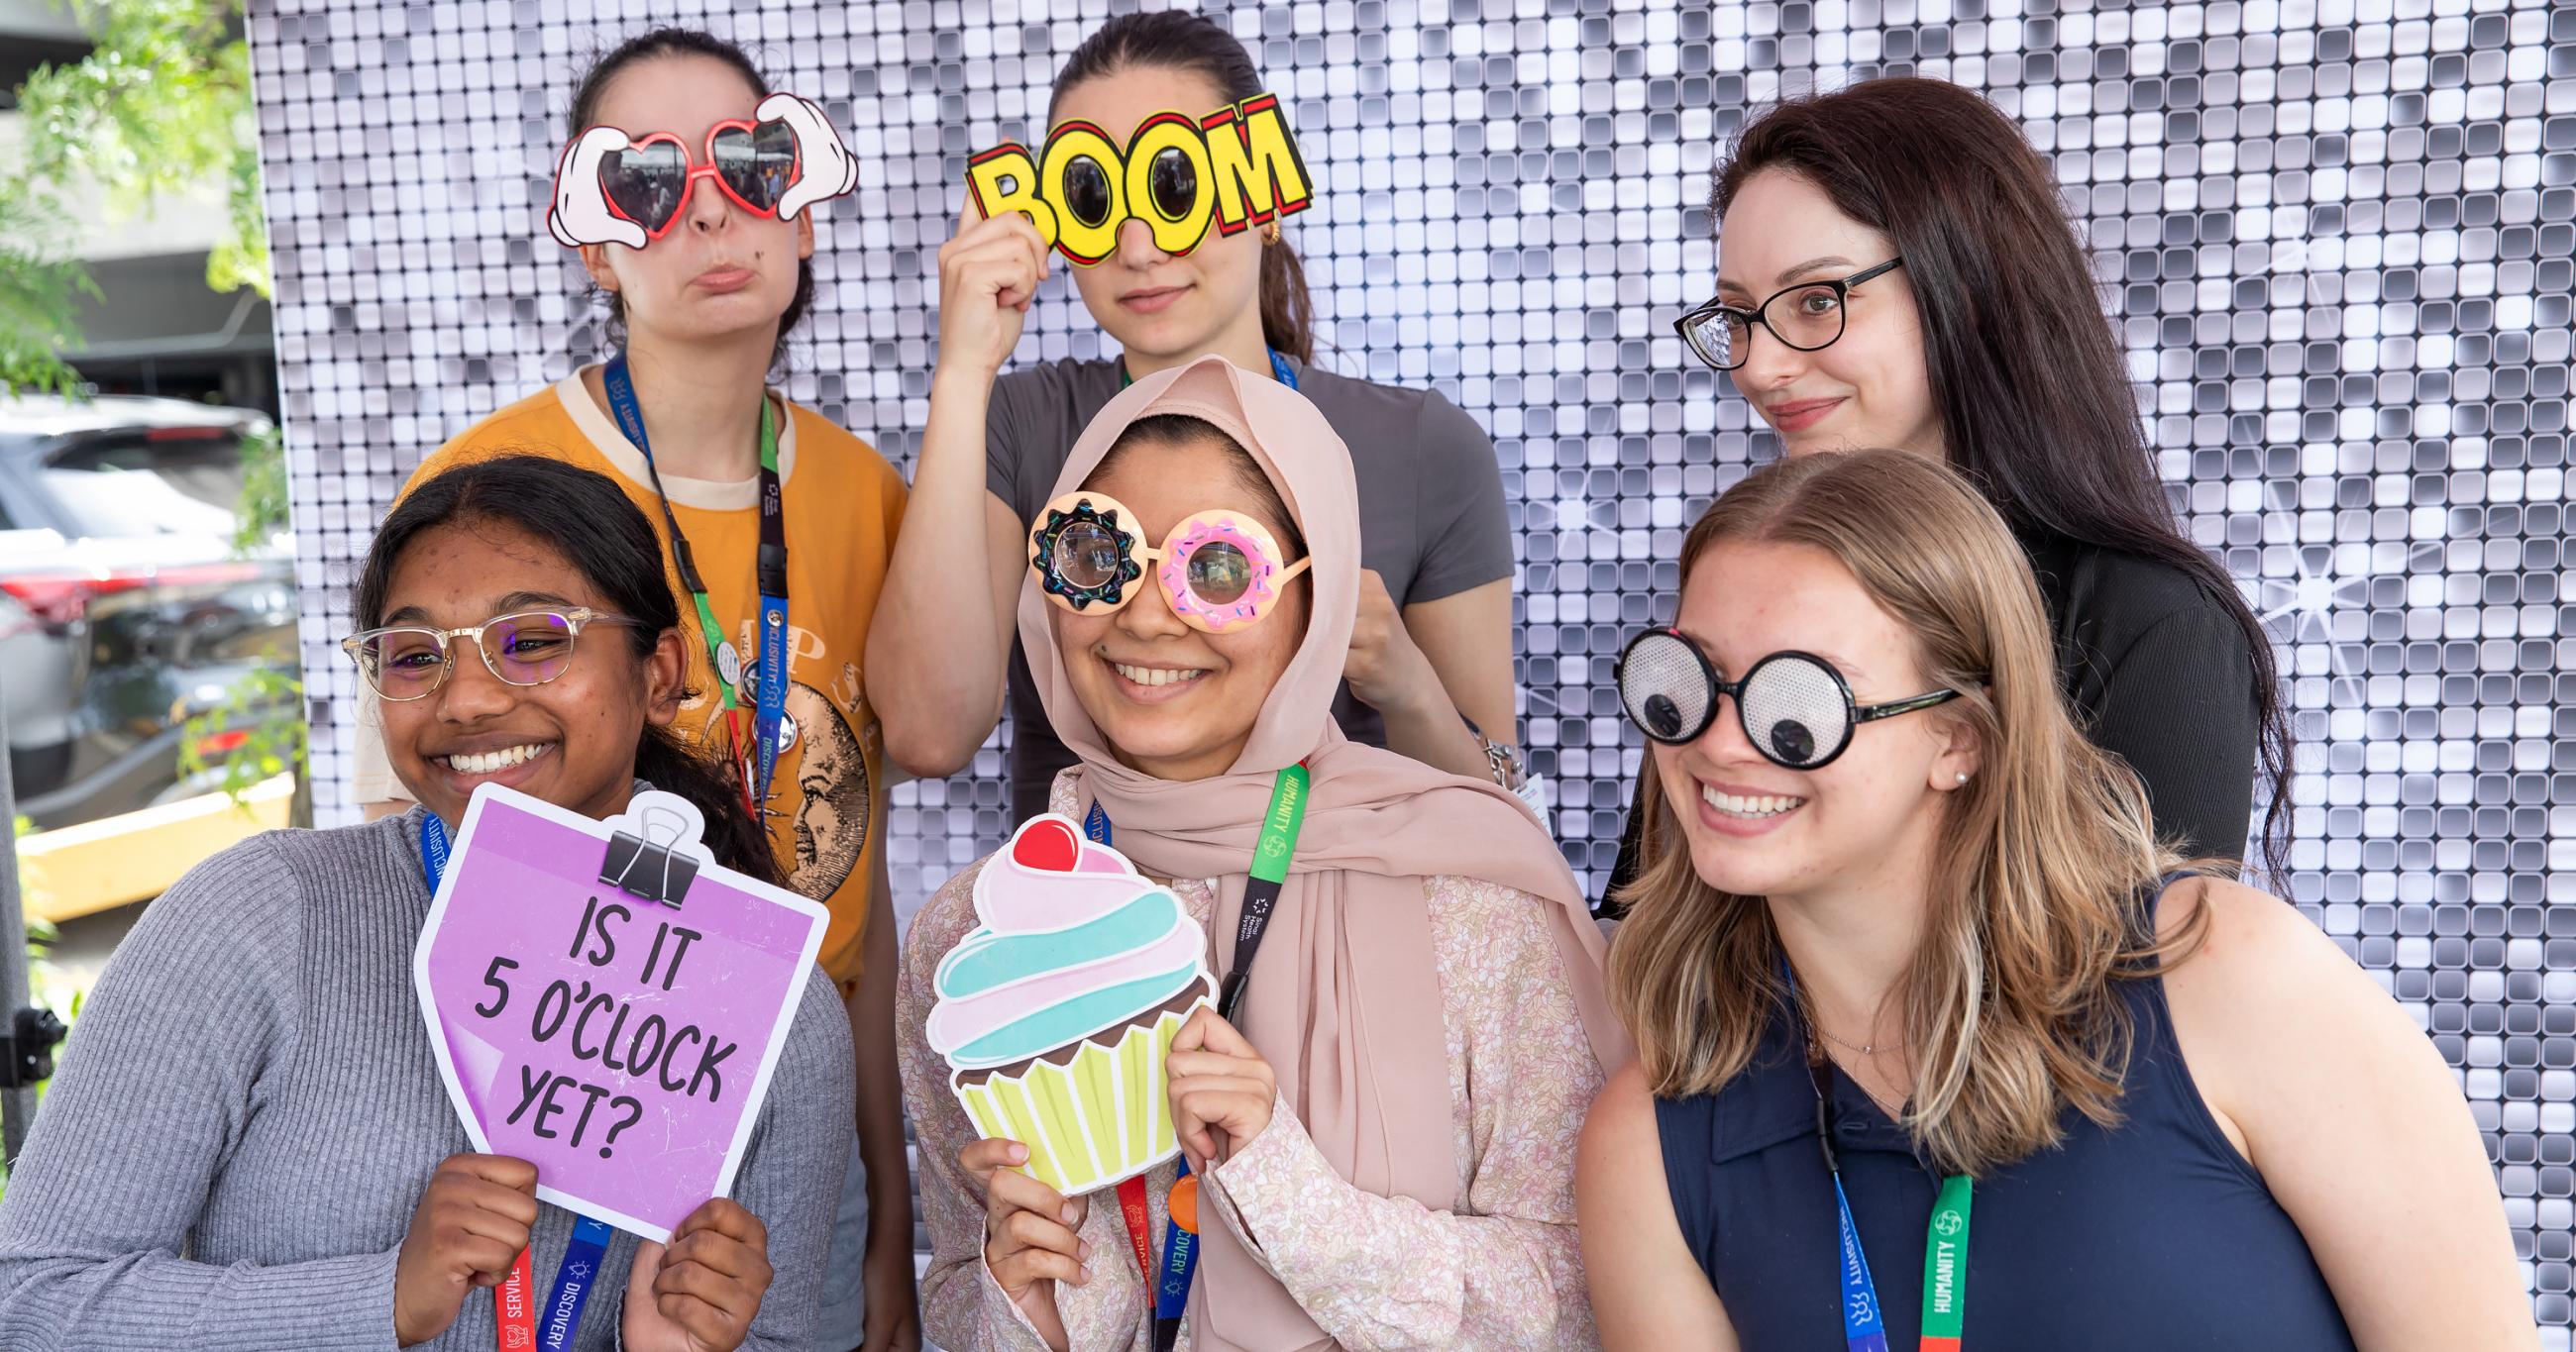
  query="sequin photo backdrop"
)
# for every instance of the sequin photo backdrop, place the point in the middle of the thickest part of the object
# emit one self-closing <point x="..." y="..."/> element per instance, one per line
<point x="2336" y="234"/>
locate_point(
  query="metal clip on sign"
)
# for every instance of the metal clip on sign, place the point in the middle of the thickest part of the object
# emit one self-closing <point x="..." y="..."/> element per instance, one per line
<point x="653" y="871"/>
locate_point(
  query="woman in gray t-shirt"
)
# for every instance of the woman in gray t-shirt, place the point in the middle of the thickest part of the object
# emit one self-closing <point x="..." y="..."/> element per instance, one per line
<point x="1430" y="670"/>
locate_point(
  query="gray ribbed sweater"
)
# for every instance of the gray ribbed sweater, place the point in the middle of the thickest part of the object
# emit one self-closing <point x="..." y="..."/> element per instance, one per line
<point x="249" y="1109"/>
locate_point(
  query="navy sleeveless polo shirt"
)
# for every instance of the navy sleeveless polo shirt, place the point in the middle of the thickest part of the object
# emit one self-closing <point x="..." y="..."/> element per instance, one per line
<point x="2155" y="1236"/>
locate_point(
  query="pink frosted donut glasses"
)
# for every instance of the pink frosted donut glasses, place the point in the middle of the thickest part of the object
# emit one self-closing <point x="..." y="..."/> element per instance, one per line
<point x="1220" y="569"/>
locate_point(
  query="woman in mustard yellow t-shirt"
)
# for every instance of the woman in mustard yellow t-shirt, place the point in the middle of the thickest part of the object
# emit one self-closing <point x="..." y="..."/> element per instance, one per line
<point x="701" y="314"/>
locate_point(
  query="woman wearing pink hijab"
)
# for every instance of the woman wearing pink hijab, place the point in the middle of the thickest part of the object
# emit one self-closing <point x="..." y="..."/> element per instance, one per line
<point x="1381" y="1142"/>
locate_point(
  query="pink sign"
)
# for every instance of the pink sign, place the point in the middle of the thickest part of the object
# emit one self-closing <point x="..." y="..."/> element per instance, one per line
<point x="607" y="1003"/>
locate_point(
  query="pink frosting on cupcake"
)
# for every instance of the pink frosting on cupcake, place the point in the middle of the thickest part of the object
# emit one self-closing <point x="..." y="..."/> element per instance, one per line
<point x="1050" y="877"/>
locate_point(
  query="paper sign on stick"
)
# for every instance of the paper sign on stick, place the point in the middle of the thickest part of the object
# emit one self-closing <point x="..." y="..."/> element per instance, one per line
<point x="1057" y="1013"/>
<point x="606" y="1002"/>
<point x="1234" y="168"/>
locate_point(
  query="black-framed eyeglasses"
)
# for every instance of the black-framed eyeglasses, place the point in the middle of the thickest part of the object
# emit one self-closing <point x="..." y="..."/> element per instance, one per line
<point x="1722" y="334"/>
<point x="1796" y="709"/>
<point x="530" y="647"/>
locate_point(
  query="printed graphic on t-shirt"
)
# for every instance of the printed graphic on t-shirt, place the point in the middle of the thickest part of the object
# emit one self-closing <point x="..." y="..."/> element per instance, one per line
<point x="831" y="822"/>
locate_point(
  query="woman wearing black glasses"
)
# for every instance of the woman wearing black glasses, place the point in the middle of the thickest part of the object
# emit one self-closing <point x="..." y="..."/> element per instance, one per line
<point x="1896" y="270"/>
<point x="248" y="1146"/>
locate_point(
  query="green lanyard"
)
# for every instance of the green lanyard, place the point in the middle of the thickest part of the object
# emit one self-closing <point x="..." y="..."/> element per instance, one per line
<point x="1945" y="1266"/>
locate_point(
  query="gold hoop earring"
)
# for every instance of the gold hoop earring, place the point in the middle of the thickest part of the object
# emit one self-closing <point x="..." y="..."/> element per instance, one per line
<point x="1272" y="235"/>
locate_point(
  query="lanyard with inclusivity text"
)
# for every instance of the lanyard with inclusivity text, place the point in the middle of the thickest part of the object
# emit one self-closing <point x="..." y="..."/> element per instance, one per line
<point x="770" y="698"/>
<point x="1945" y="1242"/>
<point x="515" y="1319"/>
<point x="1276" y="845"/>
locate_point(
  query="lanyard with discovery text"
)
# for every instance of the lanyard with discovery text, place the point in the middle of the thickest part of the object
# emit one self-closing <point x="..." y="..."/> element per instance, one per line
<point x="1276" y="846"/>
<point x="771" y="696"/>
<point x="1945" y="1242"/>
<point x="514" y="1314"/>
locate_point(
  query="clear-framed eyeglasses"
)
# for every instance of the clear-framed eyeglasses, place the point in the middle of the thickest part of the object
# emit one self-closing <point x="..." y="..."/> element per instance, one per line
<point x="528" y="647"/>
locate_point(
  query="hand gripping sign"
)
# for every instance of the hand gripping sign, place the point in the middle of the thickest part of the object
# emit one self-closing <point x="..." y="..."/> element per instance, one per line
<point x="606" y="1002"/>
<point x="612" y="187"/>
<point x="1234" y="168"/>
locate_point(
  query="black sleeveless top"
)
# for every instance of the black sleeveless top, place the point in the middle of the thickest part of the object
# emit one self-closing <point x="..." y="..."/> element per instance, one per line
<point x="2149" y="1237"/>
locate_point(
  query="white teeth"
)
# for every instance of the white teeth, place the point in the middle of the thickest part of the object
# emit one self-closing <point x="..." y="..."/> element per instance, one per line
<point x="1155" y="675"/>
<point x="1756" y="807"/>
<point x="490" y="762"/>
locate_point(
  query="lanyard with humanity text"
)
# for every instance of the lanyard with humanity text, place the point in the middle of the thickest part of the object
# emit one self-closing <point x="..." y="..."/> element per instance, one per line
<point x="1276" y="845"/>
<point x="770" y="696"/>
<point x="1945" y="1241"/>
<point x="514" y="1313"/>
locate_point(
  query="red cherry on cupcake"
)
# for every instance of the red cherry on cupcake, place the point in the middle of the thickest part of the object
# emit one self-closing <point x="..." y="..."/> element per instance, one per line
<point x="1047" y="844"/>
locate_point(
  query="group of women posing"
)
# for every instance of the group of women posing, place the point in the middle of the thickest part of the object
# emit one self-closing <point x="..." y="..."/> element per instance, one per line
<point x="1929" y="936"/>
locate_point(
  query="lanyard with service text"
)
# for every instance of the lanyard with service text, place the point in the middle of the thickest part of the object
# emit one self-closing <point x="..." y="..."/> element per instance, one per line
<point x="1945" y="1239"/>
<point x="1276" y="845"/>
<point x="770" y="694"/>
<point x="514" y="1316"/>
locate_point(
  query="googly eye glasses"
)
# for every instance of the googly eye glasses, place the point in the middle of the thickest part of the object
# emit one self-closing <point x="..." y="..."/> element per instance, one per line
<point x="1795" y="709"/>
<point x="1221" y="569"/>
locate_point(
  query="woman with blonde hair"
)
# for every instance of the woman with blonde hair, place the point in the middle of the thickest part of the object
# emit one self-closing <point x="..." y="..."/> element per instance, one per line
<point x="1908" y="966"/>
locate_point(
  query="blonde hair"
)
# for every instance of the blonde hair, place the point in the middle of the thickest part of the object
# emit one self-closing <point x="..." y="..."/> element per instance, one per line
<point x="2038" y="870"/>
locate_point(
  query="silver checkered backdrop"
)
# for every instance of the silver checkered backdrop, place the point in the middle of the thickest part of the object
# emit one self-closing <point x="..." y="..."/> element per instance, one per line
<point x="2336" y="232"/>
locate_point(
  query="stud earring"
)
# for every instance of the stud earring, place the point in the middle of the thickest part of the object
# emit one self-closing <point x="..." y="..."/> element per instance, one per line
<point x="1963" y="776"/>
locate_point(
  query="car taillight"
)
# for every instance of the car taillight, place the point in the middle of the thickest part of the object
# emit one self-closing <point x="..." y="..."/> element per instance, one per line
<point x="64" y="598"/>
<point x="59" y="599"/>
<point x="222" y="743"/>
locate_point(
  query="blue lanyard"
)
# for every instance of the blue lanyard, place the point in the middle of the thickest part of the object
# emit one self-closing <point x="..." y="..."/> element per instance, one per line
<point x="770" y="700"/>
<point x="1945" y="1241"/>
<point x="1279" y="368"/>
<point x="580" y="1268"/>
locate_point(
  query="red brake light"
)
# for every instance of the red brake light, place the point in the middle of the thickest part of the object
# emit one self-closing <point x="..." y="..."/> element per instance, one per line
<point x="222" y="743"/>
<point x="63" y="598"/>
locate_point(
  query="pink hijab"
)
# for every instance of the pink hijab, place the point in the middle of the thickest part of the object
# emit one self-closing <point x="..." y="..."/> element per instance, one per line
<point x="1343" y="1006"/>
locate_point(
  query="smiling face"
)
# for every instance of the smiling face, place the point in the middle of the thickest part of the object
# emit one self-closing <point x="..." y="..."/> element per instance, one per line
<point x="1158" y="305"/>
<point x="721" y="271"/>
<point x="570" y="741"/>
<point x="1170" y="700"/>
<point x="1868" y="388"/>
<point x="1757" y="829"/>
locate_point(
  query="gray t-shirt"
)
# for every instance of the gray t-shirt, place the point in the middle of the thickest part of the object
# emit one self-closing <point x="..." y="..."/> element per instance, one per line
<point x="1431" y="509"/>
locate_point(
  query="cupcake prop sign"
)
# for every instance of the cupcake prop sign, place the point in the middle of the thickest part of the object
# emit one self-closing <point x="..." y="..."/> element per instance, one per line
<point x="1057" y="1012"/>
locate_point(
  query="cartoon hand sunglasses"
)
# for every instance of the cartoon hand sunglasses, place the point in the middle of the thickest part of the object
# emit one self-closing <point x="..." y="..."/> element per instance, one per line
<point x="612" y="187"/>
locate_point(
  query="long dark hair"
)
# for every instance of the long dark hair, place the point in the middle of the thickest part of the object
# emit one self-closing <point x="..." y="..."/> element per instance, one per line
<point x="599" y="530"/>
<point x="1174" y="39"/>
<point x="2036" y="405"/>
<point x="662" y="42"/>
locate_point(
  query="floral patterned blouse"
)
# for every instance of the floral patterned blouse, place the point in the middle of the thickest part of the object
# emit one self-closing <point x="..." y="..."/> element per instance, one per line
<point x="1502" y="1271"/>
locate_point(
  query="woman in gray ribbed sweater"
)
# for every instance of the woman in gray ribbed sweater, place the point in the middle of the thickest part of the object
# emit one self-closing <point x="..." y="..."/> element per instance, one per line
<point x="248" y="1146"/>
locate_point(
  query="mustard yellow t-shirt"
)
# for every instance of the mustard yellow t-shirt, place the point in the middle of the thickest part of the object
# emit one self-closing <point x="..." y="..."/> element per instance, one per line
<point x="843" y="504"/>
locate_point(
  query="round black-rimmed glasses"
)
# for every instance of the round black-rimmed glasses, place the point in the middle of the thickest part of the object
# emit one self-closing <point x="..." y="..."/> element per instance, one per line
<point x="1722" y="334"/>
<point x="1795" y="708"/>
<point x="531" y="647"/>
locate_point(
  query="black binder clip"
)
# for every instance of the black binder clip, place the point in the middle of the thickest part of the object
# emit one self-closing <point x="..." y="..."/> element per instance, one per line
<point x="655" y="872"/>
